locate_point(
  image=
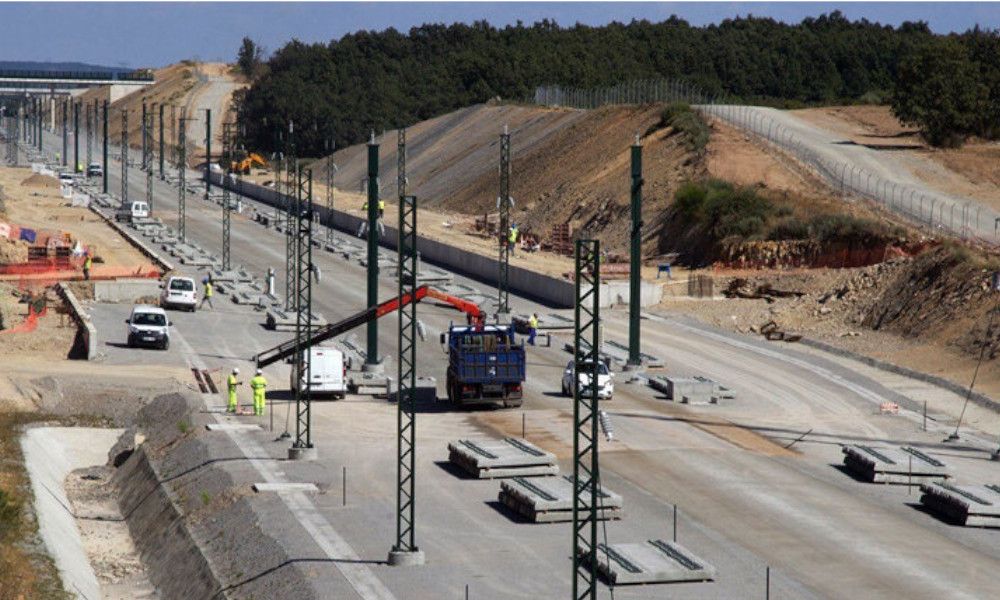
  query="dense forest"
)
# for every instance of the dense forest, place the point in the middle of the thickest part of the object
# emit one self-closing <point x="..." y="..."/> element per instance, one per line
<point x="336" y="93"/>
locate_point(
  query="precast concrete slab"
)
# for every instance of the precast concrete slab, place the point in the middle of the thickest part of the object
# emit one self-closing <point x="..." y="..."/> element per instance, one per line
<point x="972" y="505"/>
<point x="653" y="561"/>
<point x="231" y="276"/>
<point x="648" y="360"/>
<point x="690" y="390"/>
<point x="893" y="464"/>
<point x="550" y="499"/>
<point x="488" y="458"/>
<point x="280" y="319"/>
<point x="199" y="260"/>
<point x="284" y="487"/>
<point x="231" y="426"/>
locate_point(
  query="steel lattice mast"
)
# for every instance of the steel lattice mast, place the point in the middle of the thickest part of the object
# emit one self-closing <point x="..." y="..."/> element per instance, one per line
<point x="124" y="157"/>
<point x="147" y="157"/>
<point x="181" y="178"/>
<point x="586" y="474"/>
<point x="303" y="218"/>
<point x="228" y="153"/>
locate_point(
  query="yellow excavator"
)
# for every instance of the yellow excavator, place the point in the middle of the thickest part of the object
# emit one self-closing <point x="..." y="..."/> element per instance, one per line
<point x="252" y="159"/>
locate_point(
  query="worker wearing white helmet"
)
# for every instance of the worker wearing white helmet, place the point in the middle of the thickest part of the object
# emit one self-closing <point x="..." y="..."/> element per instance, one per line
<point x="259" y="386"/>
<point x="231" y="383"/>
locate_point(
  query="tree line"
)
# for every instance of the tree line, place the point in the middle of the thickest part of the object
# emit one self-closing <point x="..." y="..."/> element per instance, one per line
<point x="335" y="93"/>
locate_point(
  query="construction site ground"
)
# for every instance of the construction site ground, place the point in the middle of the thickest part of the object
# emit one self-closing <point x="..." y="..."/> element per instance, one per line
<point x="755" y="479"/>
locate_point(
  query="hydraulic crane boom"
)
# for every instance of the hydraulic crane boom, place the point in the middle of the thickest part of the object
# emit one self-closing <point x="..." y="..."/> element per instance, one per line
<point x="286" y="349"/>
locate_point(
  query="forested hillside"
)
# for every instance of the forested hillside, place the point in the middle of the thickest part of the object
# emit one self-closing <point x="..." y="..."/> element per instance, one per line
<point x="375" y="80"/>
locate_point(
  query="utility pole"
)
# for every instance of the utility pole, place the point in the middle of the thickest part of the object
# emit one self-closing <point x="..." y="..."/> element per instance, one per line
<point x="303" y="447"/>
<point x="635" y="258"/>
<point x="181" y="183"/>
<point x="41" y="116"/>
<point x="162" y="175"/>
<point x="372" y="359"/>
<point x="76" y="137"/>
<point x="586" y="473"/>
<point x="405" y="551"/>
<point x="503" y="204"/>
<point x="145" y="142"/>
<point x="89" y="119"/>
<point x="104" y="170"/>
<point x="124" y="153"/>
<point x="208" y="159"/>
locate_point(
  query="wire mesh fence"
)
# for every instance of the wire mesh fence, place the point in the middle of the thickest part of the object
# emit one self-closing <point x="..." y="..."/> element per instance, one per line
<point x="943" y="213"/>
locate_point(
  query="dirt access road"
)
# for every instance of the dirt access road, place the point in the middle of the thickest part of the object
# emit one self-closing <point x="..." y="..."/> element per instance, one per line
<point x="877" y="171"/>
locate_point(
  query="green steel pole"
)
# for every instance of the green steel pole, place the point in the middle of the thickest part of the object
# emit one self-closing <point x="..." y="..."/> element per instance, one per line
<point x="635" y="256"/>
<point x="65" y="128"/>
<point x="76" y="137"/>
<point x="372" y="347"/>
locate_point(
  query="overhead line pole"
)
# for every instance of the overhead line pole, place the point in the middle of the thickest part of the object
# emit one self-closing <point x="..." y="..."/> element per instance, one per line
<point x="291" y="169"/>
<point x="124" y="157"/>
<point x="162" y="155"/>
<point x="635" y="258"/>
<point x="372" y="357"/>
<point x="76" y="137"/>
<point x="228" y="143"/>
<point x="503" y="204"/>
<point x="181" y="178"/>
<point x="586" y="475"/>
<point x="104" y="151"/>
<point x="303" y="447"/>
<point x="208" y="154"/>
<point x="65" y="128"/>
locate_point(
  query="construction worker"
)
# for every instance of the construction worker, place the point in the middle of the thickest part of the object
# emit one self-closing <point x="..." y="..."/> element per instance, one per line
<point x="87" y="263"/>
<point x="381" y="208"/>
<point x="259" y="386"/>
<point x="512" y="237"/>
<point x="231" y="383"/>
<point x="207" y="297"/>
<point x="532" y="328"/>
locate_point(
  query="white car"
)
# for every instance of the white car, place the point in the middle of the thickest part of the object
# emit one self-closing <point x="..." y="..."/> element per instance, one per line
<point x="328" y="372"/>
<point x="605" y="381"/>
<point x="148" y="326"/>
<point x="179" y="292"/>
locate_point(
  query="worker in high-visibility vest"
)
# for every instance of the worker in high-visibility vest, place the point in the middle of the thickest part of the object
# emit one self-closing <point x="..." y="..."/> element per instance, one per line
<point x="512" y="238"/>
<point x="207" y="297"/>
<point x="259" y="386"/>
<point x="231" y="383"/>
<point x="532" y="328"/>
<point x="381" y="208"/>
<point x="87" y="263"/>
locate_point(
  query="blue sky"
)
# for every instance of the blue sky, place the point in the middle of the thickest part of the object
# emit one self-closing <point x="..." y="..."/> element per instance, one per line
<point x="155" y="34"/>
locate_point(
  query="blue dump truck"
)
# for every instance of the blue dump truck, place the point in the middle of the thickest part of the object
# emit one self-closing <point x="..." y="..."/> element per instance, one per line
<point x="485" y="365"/>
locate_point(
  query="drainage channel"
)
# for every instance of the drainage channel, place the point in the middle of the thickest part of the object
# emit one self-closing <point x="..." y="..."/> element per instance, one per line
<point x="77" y="512"/>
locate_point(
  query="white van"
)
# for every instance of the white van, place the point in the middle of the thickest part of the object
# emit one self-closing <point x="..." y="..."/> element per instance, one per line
<point x="179" y="292"/>
<point x="329" y="372"/>
<point x="148" y="326"/>
<point x="133" y="211"/>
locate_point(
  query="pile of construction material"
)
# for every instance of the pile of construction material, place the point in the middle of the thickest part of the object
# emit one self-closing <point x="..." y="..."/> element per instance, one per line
<point x="550" y="499"/>
<point x="691" y="390"/>
<point x="490" y="458"/>
<point x="969" y="505"/>
<point x="895" y="464"/>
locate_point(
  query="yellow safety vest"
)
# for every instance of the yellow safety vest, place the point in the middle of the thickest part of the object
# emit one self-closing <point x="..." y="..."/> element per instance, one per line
<point x="86" y="263"/>
<point x="208" y="290"/>
<point x="381" y="204"/>
<point x="232" y="383"/>
<point x="258" y="383"/>
<point x="533" y="322"/>
<point x="513" y="235"/>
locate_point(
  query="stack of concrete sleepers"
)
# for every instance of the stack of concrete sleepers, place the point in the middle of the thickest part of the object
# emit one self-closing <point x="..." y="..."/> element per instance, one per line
<point x="550" y="499"/>
<point x="969" y="505"/>
<point x="509" y="457"/>
<point x="893" y="464"/>
<point x="654" y="561"/>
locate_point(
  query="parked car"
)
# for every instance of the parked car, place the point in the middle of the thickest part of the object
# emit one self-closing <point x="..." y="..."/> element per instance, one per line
<point x="605" y="381"/>
<point x="148" y="326"/>
<point x="179" y="292"/>
<point x="328" y="372"/>
<point x="95" y="170"/>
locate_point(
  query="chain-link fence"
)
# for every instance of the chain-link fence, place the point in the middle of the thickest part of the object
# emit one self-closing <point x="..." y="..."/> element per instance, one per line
<point x="942" y="213"/>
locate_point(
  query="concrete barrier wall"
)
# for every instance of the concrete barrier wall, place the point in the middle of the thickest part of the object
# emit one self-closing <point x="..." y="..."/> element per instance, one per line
<point x="548" y="290"/>
<point x="126" y="290"/>
<point x="85" y="345"/>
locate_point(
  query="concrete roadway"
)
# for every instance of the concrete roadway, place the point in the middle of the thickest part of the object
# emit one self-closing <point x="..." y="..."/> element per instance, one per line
<point x="745" y="501"/>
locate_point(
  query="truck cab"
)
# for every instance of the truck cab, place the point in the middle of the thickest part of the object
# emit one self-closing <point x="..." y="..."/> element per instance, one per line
<point x="485" y="365"/>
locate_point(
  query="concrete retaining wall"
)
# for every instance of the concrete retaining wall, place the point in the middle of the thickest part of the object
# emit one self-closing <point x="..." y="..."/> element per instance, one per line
<point x="546" y="289"/>
<point x="125" y="290"/>
<point x="85" y="345"/>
